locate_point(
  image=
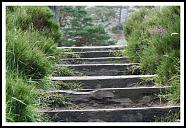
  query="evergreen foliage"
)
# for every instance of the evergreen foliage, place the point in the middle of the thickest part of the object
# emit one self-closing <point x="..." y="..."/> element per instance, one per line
<point x="79" y="29"/>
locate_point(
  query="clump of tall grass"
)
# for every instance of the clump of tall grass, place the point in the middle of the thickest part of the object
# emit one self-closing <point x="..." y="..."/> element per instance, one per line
<point x="68" y="85"/>
<point x="66" y="71"/>
<point x="31" y="38"/>
<point x="20" y="99"/>
<point x="152" y="44"/>
<point x="52" y="100"/>
<point x="23" y="55"/>
<point x="37" y="18"/>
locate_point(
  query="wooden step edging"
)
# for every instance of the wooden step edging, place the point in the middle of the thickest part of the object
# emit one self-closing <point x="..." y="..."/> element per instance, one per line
<point x="98" y="60"/>
<point x="92" y="82"/>
<point x="93" y="54"/>
<point x="101" y="69"/>
<point x="144" y="114"/>
<point x="94" y="48"/>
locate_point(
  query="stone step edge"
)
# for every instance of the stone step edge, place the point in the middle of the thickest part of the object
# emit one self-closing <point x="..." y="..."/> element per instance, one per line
<point x="109" y="51"/>
<point x="97" y="58"/>
<point x="113" y="109"/>
<point x="100" y="77"/>
<point x="111" y="64"/>
<point x="94" y="47"/>
<point x="77" y="92"/>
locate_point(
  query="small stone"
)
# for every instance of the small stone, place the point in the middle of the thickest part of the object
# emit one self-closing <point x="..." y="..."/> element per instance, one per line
<point x="95" y="120"/>
<point x="80" y="99"/>
<point x="102" y="94"/>
<point x="83" y="105"/>
<point x="122" y="100"/>
<point x="95" y="104"/>
<point x="145" y="100"/>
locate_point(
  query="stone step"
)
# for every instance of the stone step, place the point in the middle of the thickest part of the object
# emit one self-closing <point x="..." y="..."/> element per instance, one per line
<point x="93" y="82"/>
<point x="99" y="60"/>
<point x="101" y="69"/>
<point x="92" y="54"/>
<point x="142" y="114"/>
<point x="110" y="97"/>
<point x="94" y="48"/>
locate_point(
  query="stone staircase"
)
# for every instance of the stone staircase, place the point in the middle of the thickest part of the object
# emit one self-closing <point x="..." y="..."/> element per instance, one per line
<point x="109" y="91"/>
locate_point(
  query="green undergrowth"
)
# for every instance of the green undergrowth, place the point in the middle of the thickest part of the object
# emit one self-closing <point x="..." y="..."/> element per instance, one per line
<point x="20" y="99"/>
<point x="53" y="100"/>
<point x="148" y="81"/>
<point x="73" y="55"/>
<point x="66" y="71"/>
<point x="67" y="85"/>
<point x="153" y="36"/>
<point x="169" y="117"/>
<point x="134" y="70"/>
<point x="61" y="53"/>
<point x="118" y="53"/>
<point x="31" y="39"/>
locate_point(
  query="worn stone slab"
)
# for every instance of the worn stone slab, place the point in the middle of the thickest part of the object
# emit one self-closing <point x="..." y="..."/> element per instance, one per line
<point x="92" y="82"/>
<point x="101" y="69"/>
<point x="143" y="114"/>
<point x="94" y="48"/>
<point x="131" y="92"/>
<point x="99" y="60"/>
<point x="92" y="54"/>
<point x="109" y="96"/>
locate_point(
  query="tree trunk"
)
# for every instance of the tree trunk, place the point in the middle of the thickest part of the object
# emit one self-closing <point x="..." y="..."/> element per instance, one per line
<point x="56" y="10"/>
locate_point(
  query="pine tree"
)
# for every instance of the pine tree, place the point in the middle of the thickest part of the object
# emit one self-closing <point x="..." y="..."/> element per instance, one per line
<point x="79" y="29"/>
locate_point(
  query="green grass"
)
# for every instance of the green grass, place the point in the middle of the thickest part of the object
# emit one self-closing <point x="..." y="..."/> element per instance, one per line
<point x="170" y="117"/>
<point x="66" y="71"/>
<point x="31" y="61"/>
<point x="173" y="94"/>
<point x="67" y="85"/>
<point x="52" y="100"/>
<point x="118" y="53"/>
<point x="175" y="89"/>
<point x="134" y="70"/>
<point x="20" y="99"/>
<point x="34" y="18"/>
<point x="59" y="54"/>
<point x="151" y="43"/>
<point x="146" y="81"/>
<point x="31" y="38"/>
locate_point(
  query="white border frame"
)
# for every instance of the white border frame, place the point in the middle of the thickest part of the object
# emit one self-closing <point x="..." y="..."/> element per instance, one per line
<point x="4" y="4"/>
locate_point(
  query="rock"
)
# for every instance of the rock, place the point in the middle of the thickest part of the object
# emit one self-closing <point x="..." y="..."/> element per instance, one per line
<point x="95" y="104"/>
<point x="98" y="86"/>
<point x="136" y="117"/>
<point x="102" y="95"/>
<point x="123" y="101"/>
<point x="83" y="105"/>
<point x="145" y="100"/>
<point x="95" y="120"/>
<point x="80" y="99"/>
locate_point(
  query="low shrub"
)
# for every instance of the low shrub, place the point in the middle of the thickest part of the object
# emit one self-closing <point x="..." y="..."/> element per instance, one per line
<point x="52" y="100"/>
<point x="31" y="40"/>
<point x="24" y="56"/>
<point x="154" y="41"/>
<point x="34" y="18"/>
<point x="20" y="99"/>
<point x="68" y="85"/>
<point x="66" y="71"/>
